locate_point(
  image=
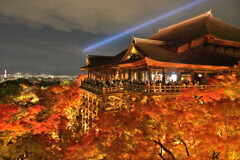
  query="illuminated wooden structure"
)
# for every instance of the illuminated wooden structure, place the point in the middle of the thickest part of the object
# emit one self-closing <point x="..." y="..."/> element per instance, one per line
<point x="192" y="50"/>
<point x="201" y="45"/>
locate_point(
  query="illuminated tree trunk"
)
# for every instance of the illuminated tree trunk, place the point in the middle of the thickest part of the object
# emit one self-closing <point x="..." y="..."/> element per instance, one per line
<point x="165" y="149"/>
<point x="185" y="145"/>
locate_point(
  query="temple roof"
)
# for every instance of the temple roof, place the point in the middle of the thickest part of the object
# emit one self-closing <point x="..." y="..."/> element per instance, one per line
<point x="186" y="31"/>
<point x="184" y="43"/>
<point x="118" y="57"/>
<point x="96" y="60"/>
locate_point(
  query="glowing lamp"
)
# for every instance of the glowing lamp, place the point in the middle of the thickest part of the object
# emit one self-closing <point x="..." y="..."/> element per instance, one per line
<point x="174" y="77"/>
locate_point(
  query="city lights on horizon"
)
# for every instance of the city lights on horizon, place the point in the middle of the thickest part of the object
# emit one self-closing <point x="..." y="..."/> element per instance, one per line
<point x="5" y="73"/>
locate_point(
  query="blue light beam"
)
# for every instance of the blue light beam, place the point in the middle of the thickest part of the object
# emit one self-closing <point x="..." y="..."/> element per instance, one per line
<point x="142" y="25"/>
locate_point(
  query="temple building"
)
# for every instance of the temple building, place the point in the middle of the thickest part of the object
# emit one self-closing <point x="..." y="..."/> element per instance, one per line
<point x="192" y="50"/>
<point x="180" y="56"/>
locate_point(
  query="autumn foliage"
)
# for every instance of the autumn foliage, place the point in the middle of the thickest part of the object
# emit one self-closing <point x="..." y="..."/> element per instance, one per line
<point x="199" y="124"/>
<point x="35" y="122"/>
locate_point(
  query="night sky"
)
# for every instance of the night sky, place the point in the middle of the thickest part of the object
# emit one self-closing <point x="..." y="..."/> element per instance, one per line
<point x="48" y="36"/>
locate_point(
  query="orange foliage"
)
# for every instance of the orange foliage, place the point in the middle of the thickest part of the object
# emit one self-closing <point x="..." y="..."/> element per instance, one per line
<point x="197" y="125"/>
<point x="49" y="121"/>
<point x="23" y="121"/>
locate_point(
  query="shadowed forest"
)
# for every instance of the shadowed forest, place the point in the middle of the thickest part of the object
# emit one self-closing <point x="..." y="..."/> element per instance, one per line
<point x="44" y="123"/>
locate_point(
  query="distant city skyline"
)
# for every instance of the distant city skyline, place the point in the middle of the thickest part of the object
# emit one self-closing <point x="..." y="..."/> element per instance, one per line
<point x="49" y="36"/>
<point x="5" y="72"/>
<point x="36" y="77"/>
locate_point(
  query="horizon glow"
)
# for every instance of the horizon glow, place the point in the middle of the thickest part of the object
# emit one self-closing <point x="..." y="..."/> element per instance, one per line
<point x="142" y="25"/>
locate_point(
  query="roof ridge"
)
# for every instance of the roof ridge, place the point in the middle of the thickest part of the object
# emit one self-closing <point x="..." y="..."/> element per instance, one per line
<point x="99" y="56"/>
<point x="149" y="41"/>
<point x="226" y="23"/>
<point x="209" y="13"/>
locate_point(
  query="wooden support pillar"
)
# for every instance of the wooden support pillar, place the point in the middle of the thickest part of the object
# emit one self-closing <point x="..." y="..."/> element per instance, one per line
<point x="145" y="76"/>
<point x="120" y="75"/>
<point x="129" y="74"/>
<point x="178" y="75"/>
<point x="153" y="75"/>
<point x="117" y="74"/>
<point x="163" y="76"/>
<point x="157" y="76"/>
<point x="110" y="76"/>
<point x="205" y="77"/>
<point x="150" y="75"/>
<point x="83" y="119"/>
<point x="114" y="74"/>
<point x="94" y="75"/>
<point x="139" y="76"/>
<point x="192" y="75"/>
<point x="97" y="106"/>
<point x="124" y="75"/>
<point x="132" y="75"/>
<point x="91" y="74"/>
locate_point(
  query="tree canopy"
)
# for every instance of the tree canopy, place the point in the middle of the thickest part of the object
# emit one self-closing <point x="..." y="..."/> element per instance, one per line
<point x="40" y="123"/>
<point x="196" y="125"/>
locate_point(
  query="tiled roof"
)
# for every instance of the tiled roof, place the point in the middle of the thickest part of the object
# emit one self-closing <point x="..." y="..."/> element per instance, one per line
<point x="191" y="37"/>
<point x="186" y="31"/>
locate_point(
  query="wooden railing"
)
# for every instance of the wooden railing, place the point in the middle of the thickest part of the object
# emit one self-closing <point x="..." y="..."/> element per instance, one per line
<point x="112" y="89"/>
<point x="164" y="89"/>
<point x="140" y="88"/>
<point x="92" y="88"/>
<point x="136" y="88"/>
<point x="174" y="88"/>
